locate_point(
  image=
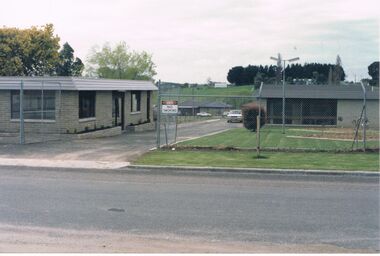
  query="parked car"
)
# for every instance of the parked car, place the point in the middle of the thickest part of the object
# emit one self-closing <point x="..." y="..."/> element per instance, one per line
<point x="204" y="114"/>
<point x="225" y="113"/>
<point x="235" y="116"/>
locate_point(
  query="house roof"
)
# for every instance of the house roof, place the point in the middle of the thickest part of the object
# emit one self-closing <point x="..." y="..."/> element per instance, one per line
<point x="75" y="84"/>
<point x="204" y="104"/>
<point x="319" y="91"/>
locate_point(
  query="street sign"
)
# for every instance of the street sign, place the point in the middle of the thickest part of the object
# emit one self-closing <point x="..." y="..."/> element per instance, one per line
<point x="169" y="107"/>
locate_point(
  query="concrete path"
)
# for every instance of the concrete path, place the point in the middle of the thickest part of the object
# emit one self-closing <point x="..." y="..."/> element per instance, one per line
<point x="73" y="164"/>
<point x="123" y="148"/>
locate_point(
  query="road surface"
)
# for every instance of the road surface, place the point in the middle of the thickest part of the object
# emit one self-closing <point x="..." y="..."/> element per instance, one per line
<point x="230" y="209"/>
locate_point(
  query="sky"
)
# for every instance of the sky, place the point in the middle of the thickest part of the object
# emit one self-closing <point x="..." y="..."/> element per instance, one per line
<point x="194" y="40"/>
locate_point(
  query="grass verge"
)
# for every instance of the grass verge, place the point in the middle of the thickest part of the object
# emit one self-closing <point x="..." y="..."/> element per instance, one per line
<point x="272" y="137"/>
<point x="319" y="161"/>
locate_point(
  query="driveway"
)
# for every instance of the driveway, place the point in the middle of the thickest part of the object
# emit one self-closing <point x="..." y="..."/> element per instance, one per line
<point x="125" y="147"/>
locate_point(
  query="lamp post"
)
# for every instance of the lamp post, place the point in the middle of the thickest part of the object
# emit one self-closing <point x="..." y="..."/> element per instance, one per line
<point x="279" y="60"/>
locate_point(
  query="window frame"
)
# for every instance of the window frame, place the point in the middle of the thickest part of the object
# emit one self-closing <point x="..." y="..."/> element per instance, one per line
<point x="32" y="102"/>
<point x="137" y="98"/>
<point x="90" y="111"/>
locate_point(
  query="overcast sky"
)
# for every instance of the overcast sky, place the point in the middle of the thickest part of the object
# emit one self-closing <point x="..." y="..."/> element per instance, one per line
<point x="193" y="40"/>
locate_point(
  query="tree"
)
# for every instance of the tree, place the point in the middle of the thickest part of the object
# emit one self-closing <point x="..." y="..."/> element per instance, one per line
<point x="373" y="71"/>
<point x="120" y="63"/>
<point x="338" y="72"/>
<point x="250" y="111"/>
<point x="235" y="75"/>
<point x="68" y="66"/>
<point x="28" y="52"/>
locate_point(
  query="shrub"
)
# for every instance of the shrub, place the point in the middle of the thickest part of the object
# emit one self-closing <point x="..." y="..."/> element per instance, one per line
<point x="250" y="112"/>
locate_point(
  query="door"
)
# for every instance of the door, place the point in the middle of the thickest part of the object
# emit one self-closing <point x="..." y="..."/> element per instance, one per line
<point x="148" y="106"/>
<point x="118" y="109"/>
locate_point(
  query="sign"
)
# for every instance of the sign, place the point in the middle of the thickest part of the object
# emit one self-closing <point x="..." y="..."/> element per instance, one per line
<point x="169" y="107"/>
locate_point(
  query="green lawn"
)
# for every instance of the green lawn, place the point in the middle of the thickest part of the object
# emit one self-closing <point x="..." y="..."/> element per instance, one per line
<point x="272" y="137"/>
<point x="244" y="90"/>
<point x="329" y="161"/>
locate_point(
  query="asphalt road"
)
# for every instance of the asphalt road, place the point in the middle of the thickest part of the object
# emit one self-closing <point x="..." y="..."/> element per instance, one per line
<point x="334" y="210"/>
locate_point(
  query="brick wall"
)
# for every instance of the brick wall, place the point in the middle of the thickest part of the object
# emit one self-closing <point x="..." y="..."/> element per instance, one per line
<point x="67" y="114"/>
<point x="137" y="117"/>
<point x="349" y="110"/>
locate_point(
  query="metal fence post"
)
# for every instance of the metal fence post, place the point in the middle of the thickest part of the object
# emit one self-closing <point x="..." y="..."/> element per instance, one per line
<point x="158" y="126"/>
<point x="42" y="112"/>
<point x="364" y="121"/>
<point x="22" y="132"/>
<point x="58" y="117"/>
<point x="259" y="123"/>
<point x="283" y="101"/>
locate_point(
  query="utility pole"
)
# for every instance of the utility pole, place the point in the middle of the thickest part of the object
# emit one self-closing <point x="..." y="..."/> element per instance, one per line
<point x="279" y="60"/>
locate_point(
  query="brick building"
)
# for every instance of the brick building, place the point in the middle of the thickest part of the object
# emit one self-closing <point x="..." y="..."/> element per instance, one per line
<point x="71" y="105"/>
<point x="332" y="105"/>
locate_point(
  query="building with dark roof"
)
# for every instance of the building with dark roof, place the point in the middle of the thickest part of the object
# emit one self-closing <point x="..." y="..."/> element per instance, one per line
<point x="188" y="108"/>
<point x="71" y="105"/>
<point x="320" y="104"/>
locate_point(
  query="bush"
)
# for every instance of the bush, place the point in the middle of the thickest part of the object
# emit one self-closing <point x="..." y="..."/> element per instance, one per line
<point x="250" y="112"/>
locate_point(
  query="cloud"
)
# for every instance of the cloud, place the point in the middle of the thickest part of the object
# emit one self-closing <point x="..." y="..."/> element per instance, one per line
<point x="193" y="40"/>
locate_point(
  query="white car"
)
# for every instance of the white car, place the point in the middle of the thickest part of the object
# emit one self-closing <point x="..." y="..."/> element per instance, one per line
<point x="235" y="116"/>
<point x="204" y="114"/>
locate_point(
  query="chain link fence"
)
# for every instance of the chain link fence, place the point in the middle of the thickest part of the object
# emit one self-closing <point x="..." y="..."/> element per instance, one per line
<point x="30" y="115"/>
<point x="257" y="123"/>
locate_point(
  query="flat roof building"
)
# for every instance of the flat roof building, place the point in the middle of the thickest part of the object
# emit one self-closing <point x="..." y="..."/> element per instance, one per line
<point x="320" y="104"/>
<point x="72" y="105"/>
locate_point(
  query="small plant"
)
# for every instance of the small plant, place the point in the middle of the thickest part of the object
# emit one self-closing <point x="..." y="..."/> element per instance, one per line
<point x="250" y="112"/>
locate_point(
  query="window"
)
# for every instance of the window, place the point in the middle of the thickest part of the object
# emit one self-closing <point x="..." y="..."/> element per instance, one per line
<point x="135" y="101"/>
<point x="303" y="111"/>
<point x="38" y="105"/>
<point x="86" y="104"/>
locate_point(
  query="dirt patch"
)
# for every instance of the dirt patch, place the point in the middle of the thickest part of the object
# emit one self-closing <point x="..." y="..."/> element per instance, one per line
<point x="336" y="133"/>
<point x="32" y="239"/>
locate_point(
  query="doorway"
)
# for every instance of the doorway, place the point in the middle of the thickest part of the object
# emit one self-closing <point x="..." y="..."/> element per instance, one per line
<point x="118" y="109"/>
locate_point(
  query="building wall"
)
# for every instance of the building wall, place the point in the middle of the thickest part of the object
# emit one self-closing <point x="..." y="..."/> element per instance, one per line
<point x="349" y="110"/>
<point x="69" y="118"/>
<point x="67" y="114"/>
<point x="8" y="125"/>
<point x="135" y="118"/>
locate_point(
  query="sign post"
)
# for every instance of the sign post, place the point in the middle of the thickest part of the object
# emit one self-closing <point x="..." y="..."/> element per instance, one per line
<point x="170" y="109"/>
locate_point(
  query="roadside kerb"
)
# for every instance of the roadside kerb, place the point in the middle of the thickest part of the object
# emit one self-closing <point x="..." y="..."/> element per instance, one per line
<point x="107" y="166"/>
<point x="258" y="170"/>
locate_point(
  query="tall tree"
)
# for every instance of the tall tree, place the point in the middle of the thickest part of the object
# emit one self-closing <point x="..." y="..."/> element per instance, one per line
<point x="338" y="72"/>
<point x="68" y="65"/>
<point x="373" y="71"/>
<point x="120" y="63"/>
<point x="28" y="52"/>
<point x="235" y="75"/>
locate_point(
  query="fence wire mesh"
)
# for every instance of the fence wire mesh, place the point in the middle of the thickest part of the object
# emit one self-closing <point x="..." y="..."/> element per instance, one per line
<point x="31" y="116"/>
<point x="231" y="122"/>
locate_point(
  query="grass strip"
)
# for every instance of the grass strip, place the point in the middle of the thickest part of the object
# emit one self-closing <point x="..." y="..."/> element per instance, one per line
<point x="285" y="160"/>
